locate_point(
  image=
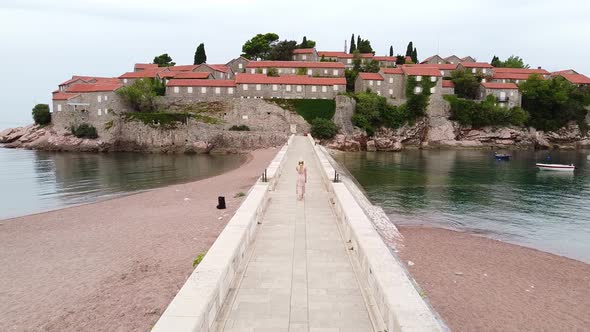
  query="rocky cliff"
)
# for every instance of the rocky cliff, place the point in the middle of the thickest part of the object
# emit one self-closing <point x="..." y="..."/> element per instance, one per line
<point x="436" y="131"/>
<point x="269" y="126"/>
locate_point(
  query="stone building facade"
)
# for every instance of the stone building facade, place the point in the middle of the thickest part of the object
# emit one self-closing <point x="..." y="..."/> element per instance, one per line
<point x="288" y="87"/>
<point x="507" y="94"/>
<point x="238" y="65"/>
<point x="309" y="68"/>
<point x="219" y="72"/>
<point x="305" y="54"/>
<point x="196" y="90"/>
<point x="477" y="68"/>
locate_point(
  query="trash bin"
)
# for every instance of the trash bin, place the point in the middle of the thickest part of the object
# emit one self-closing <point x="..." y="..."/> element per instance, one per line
<point x="221" y="202"/>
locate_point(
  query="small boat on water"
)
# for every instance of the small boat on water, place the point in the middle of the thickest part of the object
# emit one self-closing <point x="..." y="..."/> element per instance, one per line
<point x="502" y="156"/>
<point x="556" y="167"/>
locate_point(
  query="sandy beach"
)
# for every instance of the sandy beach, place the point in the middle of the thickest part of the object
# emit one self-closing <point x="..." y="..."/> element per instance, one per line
<point x="113" y="265"/>
<point x="479" y="284"/>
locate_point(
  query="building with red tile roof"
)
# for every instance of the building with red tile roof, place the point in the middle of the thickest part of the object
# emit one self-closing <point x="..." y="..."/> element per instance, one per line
<point x="218" y="71"/>
<point x="479" y="68"/>
<point x="143" y="66"/>
<point x="305" y="54"/>
<point x="193" y="75"/>
<point x="577" y="79"/>
<point x="309" y="68"/>
<point x="343" y="57"/>
<point x="448" y="84"/>
<point x="421" y="71"/>
<point x="294" y="64"/>
<point x="448" y="87"/>
<point x="521" y="71"/>
<point x="289" y="86"/>
<point x="87" y="87"/>
<point x="200" y="82"/>
<point x="371" y="76"/>
<point x="507" y="94"/>
<point x="64" y="95"/>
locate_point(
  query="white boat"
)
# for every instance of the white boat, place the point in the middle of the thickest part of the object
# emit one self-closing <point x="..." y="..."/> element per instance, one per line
<point x="556" y="167"/>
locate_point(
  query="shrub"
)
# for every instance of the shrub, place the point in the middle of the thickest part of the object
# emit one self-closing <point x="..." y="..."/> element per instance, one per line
<point x="486" y="113"/>
<point x="309" y="109"/>
<point x="84" y="131"/>
<point x="466" y="84"/>
<point x="323" y="128"/>
<point x="301" y="71"/>
<point x="198" y="259"/>
<point x="41" y="114"/>
<point x="273" y="72"/>
<point x="240" y="128"/>
<point x="142" y="95"/>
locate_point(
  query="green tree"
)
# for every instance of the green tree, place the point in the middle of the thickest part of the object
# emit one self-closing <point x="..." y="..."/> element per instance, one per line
<point x="41" y="114"/>
<point x="259" y="46"/>
<point x="410" y="49"/>
<point x="364" y="46"/>
<point x="164" y="60"/>
<point x="372" y="67"/>
<point x="141" y="96"/>
<point x="272" y="72"/>
<point x="415" y="55"/>
<point x="200" y="55"/>
<point x="282" y="51"/>
<point x="323" y="128"/>
<point x="496" y="62"/>
<point x="466" y="84"/>
<point x="400" y="59"/>
<point x="391" y="50"/>
<point x="350" y="76"/>
<point x="352" y="44"/>
<point x="358" y="42"/>
<point x="356" y="61"/>
<point x="554" y="102"/>
<point x="306" y="43"/>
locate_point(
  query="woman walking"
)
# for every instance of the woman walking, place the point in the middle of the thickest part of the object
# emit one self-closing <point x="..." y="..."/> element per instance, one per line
<point x="301" y="180"/>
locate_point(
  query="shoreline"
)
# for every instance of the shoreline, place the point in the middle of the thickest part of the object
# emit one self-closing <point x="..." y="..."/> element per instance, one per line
<point x="114" y="264"/>
<point x="478" y="283"/>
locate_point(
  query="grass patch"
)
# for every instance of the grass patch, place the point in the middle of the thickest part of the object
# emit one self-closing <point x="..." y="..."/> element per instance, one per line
<point x="168" y="120"/>
<point x="240" y="128"/>
<point x="108" y="125"/>
<point x="199" y="258"/>
<point x="309" y="109"/>
<point x="240" y="194"/>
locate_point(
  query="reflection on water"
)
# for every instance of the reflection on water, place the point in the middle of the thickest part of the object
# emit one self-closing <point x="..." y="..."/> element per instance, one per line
<point x="35" y="181"/>
<point x="471" y="190"/>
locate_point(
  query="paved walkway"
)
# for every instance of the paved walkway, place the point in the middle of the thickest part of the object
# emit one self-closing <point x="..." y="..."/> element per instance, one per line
<point x="299" y="276"/>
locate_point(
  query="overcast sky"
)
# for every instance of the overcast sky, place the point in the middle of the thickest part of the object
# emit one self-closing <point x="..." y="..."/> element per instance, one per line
<point x="45" y="42"/>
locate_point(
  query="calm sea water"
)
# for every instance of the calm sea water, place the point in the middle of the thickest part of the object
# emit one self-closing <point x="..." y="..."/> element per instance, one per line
<point x="469" y="190"/>
<point x="36" y="181"/>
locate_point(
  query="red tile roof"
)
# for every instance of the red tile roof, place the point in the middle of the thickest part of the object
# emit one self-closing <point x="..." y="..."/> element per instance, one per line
<point x="170" y="74"/>
<point x="476" y="65"/>
<point x="441" y="66"/>
<point x="392" y="71"/>
<point x="87" y="79"/>
<point x="421" y="71"/>
<point x="491" y="85"/>
<point x="304" y="51"/>
<point x="289" y="79"/>
<point x="294" y="64"/>
<point x="64" y="95"/>
<point x="567" y="71"/>
<point x="429" y="58"/>
<point x="512" y="76"/>
<point x="371" y="76"/>
<point x="576" y="78"/>
<point x="385" y="58"/>
<point x="141" y="74"/>
<point x="74" y="79"/>
<point x="192" y="75"/>
<point x="200" y="82"/>
<point x="448" y="84"/>
<point x="85" y="87"/>
<point x="145" y="66"/>
<point x="521" y="71"/>
<point x="181" y="68"/>
<point x="217" y="67"/>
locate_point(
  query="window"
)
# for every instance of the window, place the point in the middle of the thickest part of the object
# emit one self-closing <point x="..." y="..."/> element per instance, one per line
<point x="203" y="90"/>
<point x="324" y="88"/>
<point x="59" y="107"/>
<point x="418" y="90"/>
<point x="473" y="70"/>
<point x="230" y="91"/>
<point x="418" y="78"/>
<point x="378" y="83"/>
<point x="517" y="81"/>
<point x="391" y="80"/>
<point x="483" y="80"/>
<point x="299" y="88"/>
<point x="314" y="88"/>
<point x="293" y="71"/>
<point x="245" y="87"/>
<point x="253" y="71"/>
<point x="176" y="89"/>
<point x="483" y="70"/>
<point x="442" y="73"/>
<point x="432" y="78"/>
<point x="502" y="95"/>
<point x="124" y="80"/>
<point x="335" y="72"/>
<point x="335" y="87"/>
<point x="217" y="91"/>
<point x="349" y="61"/>
<point x="189" y="89"/>
<point x="432" y="90"/>
<point x="511" y="93"/>
<point x="264" y="70"/>
<point x="106" y="98"/>
<point x="370" y="83"/>
<point x="99" y="98"/>
<point x="280" y="71"/>
<point x="390" y="91"/>
<point x="309" y="72"/>
<point x="106" y="112"/>
<point x="304" y="57"/>
<point x="258" y="87"/>
<point x="326" y="71"/>
<point x="275" y="87"/>
<point x="287" y="87"/>
<point x="240" y="65"/>
<point x="99" y="111"/>
<point x="378" y="93"/>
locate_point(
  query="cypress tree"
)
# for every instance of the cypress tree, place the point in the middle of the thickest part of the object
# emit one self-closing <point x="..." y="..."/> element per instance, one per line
<point x="391" y="50"/>
<point x="352" y="44"/>
<point x="358" y="42"/>
<point x="415" y="55"/>
<point x="410" y="49"/>
<point x="200" y="56"/>
<point x="304" y="42"/>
